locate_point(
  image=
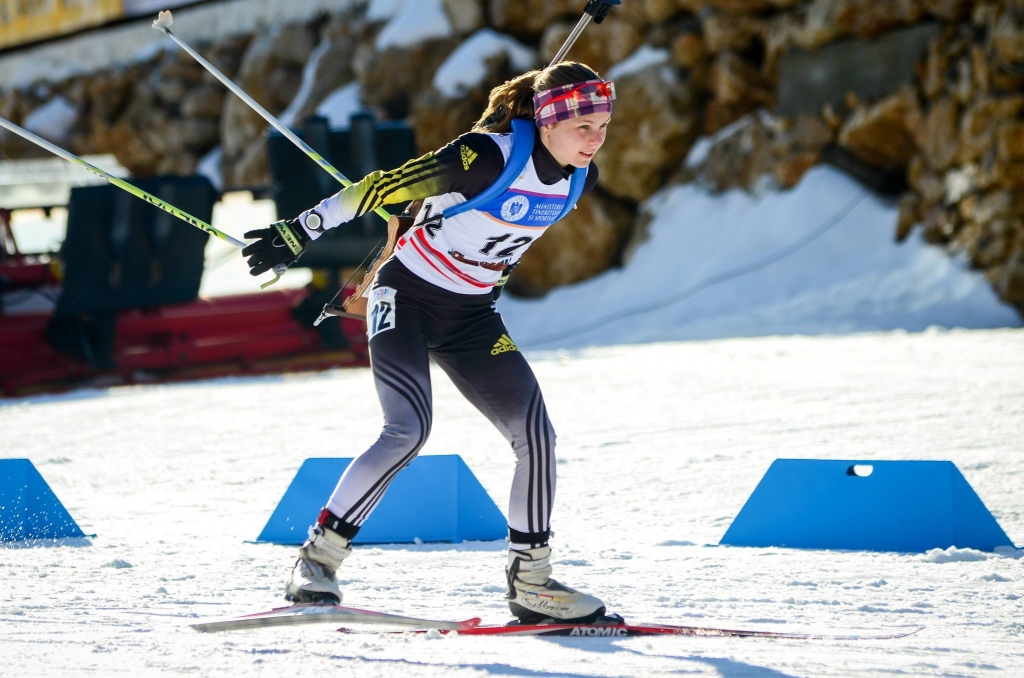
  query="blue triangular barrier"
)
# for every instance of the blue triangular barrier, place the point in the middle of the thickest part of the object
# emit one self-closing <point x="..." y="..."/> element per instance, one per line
<point x="908" y="506"/>
<point x="436" y="498"/>
<point x="28" y="507"/>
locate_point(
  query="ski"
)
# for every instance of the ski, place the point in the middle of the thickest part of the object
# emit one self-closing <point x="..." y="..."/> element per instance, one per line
<point x="623" y="630"/>
<point x="319" y="613"/>
<point x="633" y="630"/>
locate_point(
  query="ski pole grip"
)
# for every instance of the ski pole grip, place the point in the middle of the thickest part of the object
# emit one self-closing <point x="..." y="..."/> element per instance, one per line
<point x="599" y="8"/>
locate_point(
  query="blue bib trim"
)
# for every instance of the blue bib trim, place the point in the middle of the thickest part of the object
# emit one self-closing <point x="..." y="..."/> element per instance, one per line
<point x="579" y="179"/>
<point x="517" y="206"/>
<point x="528" y="210"/>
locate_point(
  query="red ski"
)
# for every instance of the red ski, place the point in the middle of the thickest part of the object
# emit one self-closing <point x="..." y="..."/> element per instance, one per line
<point x="624" y="630"/>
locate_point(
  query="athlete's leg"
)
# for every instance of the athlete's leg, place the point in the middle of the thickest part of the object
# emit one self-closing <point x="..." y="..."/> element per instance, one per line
<point x="493" y="375"/>
<point x="490" y="371"/>
<point x="401" y="371"/>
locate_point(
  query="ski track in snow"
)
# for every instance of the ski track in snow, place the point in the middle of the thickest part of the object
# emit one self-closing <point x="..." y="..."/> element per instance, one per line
<point x="659" y="446"/>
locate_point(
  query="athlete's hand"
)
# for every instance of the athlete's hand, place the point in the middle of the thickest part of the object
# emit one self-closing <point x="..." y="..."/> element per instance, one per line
<point x="280" y="244"/>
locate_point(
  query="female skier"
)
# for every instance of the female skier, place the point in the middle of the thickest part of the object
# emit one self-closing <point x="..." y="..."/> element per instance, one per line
<point x="433" y="298"/>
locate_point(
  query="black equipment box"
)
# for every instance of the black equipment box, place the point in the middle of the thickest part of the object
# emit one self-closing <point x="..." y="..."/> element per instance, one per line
<point x="122" y="252"/>
<point x="299" y="183"/>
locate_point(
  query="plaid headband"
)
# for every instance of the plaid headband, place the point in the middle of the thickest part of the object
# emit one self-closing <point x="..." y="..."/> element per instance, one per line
<point x="572" y="101"/>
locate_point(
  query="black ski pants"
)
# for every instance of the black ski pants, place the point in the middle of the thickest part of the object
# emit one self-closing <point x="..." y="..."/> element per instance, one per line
<point x="411" y="321"/>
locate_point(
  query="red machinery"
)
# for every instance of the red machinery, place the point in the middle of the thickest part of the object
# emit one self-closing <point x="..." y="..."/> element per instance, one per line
<point x="245" y="334"/>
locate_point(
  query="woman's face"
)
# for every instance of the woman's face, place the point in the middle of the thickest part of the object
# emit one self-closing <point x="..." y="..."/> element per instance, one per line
<point x="574" y="142"/>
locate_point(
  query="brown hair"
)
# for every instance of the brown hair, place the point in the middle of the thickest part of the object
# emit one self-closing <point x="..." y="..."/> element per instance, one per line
<point x="514" y="99"/>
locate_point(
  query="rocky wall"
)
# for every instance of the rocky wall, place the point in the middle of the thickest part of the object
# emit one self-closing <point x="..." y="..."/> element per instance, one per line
<point x="953" y="127"/>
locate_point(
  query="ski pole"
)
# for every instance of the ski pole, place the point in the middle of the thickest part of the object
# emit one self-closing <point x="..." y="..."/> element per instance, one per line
<point x="596" y="11"/>
<point x="137" y="192"/>
<point x="163" y="23"/>
<point x="121" y="183"/>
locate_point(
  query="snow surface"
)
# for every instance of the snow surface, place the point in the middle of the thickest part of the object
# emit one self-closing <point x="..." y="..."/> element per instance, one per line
<point x="816" y="259"/>
<point x="466" y="67"/>
<point x="53" y="120"/>
<point x="414" y="22"/>
<point x="659" y="446"/>
<point x="643" y="58"/>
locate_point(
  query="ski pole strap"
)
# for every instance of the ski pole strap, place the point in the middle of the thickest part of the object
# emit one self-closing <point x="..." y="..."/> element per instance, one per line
<point x="288" y="237"/>
<point x="522" y="148"/>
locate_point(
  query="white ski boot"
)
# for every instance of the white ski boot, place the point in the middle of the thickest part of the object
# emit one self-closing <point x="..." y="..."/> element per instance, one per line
<point x="535" y="598"/>
<point x="313" y="578"/>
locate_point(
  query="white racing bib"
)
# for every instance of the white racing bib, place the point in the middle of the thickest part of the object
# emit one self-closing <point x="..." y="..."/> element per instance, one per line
<point x="380" y="315"/>
<point x="467" y="253"/>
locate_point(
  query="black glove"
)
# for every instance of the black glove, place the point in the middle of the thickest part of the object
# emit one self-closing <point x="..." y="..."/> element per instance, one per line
<point x="280" y="243"/>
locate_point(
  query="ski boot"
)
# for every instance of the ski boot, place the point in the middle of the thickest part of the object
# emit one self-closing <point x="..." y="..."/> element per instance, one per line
<point x="535" y="598"/>
<point x="312" y="579"/>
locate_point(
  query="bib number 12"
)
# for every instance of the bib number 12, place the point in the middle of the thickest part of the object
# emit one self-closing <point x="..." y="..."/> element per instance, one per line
<point x="382" y="311"/>
<point x="508" y="251"/>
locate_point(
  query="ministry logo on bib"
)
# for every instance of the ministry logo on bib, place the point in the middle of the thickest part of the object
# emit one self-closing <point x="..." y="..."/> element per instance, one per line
<point x="515" y="208"/>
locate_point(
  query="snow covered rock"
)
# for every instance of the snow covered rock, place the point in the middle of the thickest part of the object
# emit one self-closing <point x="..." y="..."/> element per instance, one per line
<point x="689" y="51"/>
<point x="340" y="105"/>
<point x="466" y="16"/>
<point x="737" y="156"/>
<point x="531" y="17"/>
<point x="438" y="119"/>
<point x="655" y="122"/>
<point x="727" y="32"/>
<point x="461" y="85"/>
<point x="737" y="6"/>
<point x="600" y="46"/>
<point x="937" y="137"/>
<point x="210" y="167"/>
<point x="329" y="67"/>
<point x="414" y="23"/>
<point x="270" y="73"/>
<point x="249" y="167"/>
<point x="52" y="121"/>
<point x="206" y="101"/>
<point x="882" y="135"/>
<point x="466" y="67"/>
<point x="737" y="88"/>
<point x="383" y="10"/>
<point x="654" y="11"/>
<point x="392" y="79"/>
<point x="201" y="134"/>
<point x="644" y="58"/>
<point x="980" y="122"/>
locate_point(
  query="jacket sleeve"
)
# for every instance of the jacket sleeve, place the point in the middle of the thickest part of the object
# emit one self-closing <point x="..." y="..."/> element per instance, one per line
<point x="467" y="165"/>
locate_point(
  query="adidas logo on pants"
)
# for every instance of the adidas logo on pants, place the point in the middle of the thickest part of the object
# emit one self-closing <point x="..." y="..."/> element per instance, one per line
<point x="504" y="345"/>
